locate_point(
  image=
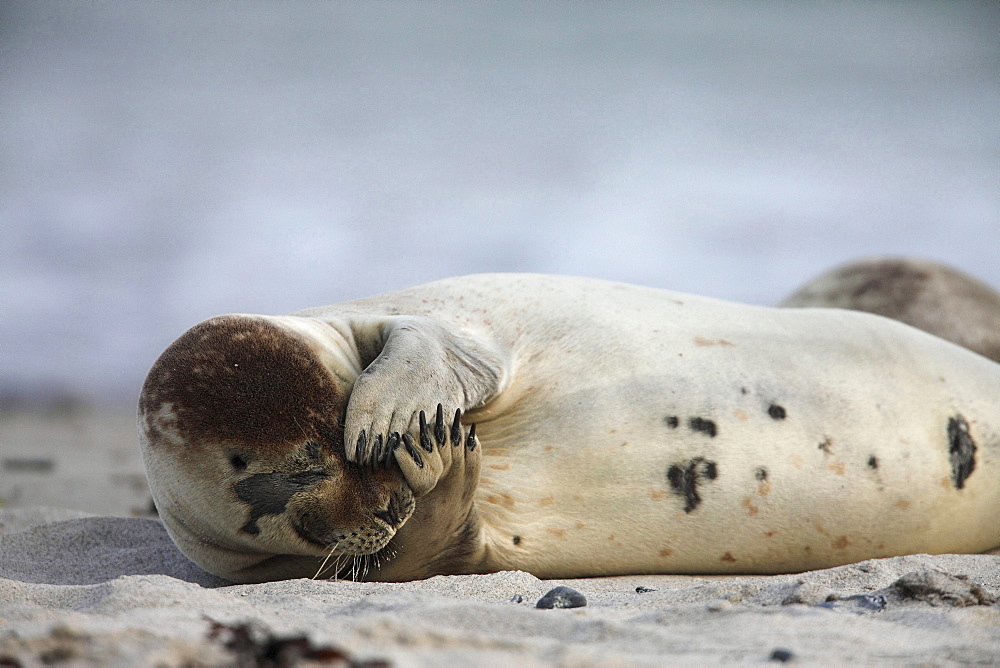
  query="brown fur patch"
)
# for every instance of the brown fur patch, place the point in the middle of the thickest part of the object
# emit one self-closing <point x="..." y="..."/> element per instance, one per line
<point x="243" y="380"/>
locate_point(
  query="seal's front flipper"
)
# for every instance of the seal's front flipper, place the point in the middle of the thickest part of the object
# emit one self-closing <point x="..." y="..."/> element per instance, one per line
<point x="422" y="363"/>
<point x="443" y="457"/>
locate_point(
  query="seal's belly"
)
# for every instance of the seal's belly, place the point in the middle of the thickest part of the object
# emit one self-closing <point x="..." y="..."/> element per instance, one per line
<point x="747" y="467"/>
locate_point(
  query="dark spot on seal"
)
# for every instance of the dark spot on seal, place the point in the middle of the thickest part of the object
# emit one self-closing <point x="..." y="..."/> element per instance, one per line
<point x="672" y="421"/>
<point x="238" y="463"/>
<point x="562" y="597"/>
<point x="962" y="450"/>
<point x="776" y="412"/>
<point x="781" y="655"/>
<point x="684" y="478"/>
<point x="873" y="463"/>
<point x="703" y="425"/>
<point x="517" y="540"/>
<point x="760" y="474"/>
<point x="744" y="390"/>
<point x="269" y="493"/>
<point x="825" y="445"/>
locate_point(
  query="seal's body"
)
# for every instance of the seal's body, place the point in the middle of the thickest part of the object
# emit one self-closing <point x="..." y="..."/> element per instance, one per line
<point x="618" y="430"/>
<point x="925" y="294"/>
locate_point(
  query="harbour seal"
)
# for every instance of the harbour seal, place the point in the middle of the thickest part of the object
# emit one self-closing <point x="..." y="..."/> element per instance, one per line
<point x="566" y="427"/>
<point x="927" y="295"/>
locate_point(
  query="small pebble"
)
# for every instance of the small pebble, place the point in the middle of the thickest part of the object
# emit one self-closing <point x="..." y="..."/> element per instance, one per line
<point x="859" y="603"/>
<point x="643" y="590"/>
<point x="781" y="655"/>
<point x="562" y="597"/>
<point x="517" y="598"/>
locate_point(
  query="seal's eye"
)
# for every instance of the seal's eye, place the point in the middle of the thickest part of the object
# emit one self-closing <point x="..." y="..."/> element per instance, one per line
<point x="238" y="462"/>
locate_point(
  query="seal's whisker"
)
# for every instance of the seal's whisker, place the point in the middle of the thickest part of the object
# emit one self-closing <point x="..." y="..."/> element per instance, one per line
<point x="341" y="570"/>
<point x="322" y="566"/>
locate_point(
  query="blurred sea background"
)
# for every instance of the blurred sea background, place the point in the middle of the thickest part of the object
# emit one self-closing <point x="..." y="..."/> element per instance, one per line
<point x="163" y="162"/>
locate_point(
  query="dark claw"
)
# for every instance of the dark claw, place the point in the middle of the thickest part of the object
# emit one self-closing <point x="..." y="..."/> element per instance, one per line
<point x="425" y="435"/>
<point x="412" y="451"/>
<point x="393" y="441"/>
<point x="470" y="441"/>
<point x="439" y="434"/>
<point x="377" y="452"/>
<point x="386" y="453"/>
<point x="456" y="428"/>
<point x="359" y="448"/>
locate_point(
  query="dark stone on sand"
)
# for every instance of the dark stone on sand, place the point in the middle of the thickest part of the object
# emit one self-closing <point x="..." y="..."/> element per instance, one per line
<point x="781" y="655"/>
<point x="562" y="597"/>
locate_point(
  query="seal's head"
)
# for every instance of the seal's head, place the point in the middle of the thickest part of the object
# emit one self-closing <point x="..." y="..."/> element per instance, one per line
<point x="241" y="427"/>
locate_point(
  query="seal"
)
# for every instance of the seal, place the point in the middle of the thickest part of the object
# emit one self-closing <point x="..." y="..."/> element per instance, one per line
<point x="924" y="294"/>
<point x="566" y="427"/>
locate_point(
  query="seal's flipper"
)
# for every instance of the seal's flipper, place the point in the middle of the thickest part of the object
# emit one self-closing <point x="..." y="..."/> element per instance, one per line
<point x="422" y="364"/>
<point x="441" y="463"/>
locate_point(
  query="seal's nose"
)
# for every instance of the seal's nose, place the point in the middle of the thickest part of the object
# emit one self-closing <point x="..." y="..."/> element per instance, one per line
<point x="392" y="514"/>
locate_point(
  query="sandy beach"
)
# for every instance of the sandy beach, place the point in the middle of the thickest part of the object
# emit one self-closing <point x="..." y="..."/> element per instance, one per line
<point x="89" y="577"/>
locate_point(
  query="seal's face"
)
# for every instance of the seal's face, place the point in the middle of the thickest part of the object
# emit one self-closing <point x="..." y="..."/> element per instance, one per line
<point x="241" y="422"/>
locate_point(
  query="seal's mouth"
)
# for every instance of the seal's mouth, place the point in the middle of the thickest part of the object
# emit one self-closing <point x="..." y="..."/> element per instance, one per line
<point x="351" y="555"/>
<point x="366" y="539"/>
